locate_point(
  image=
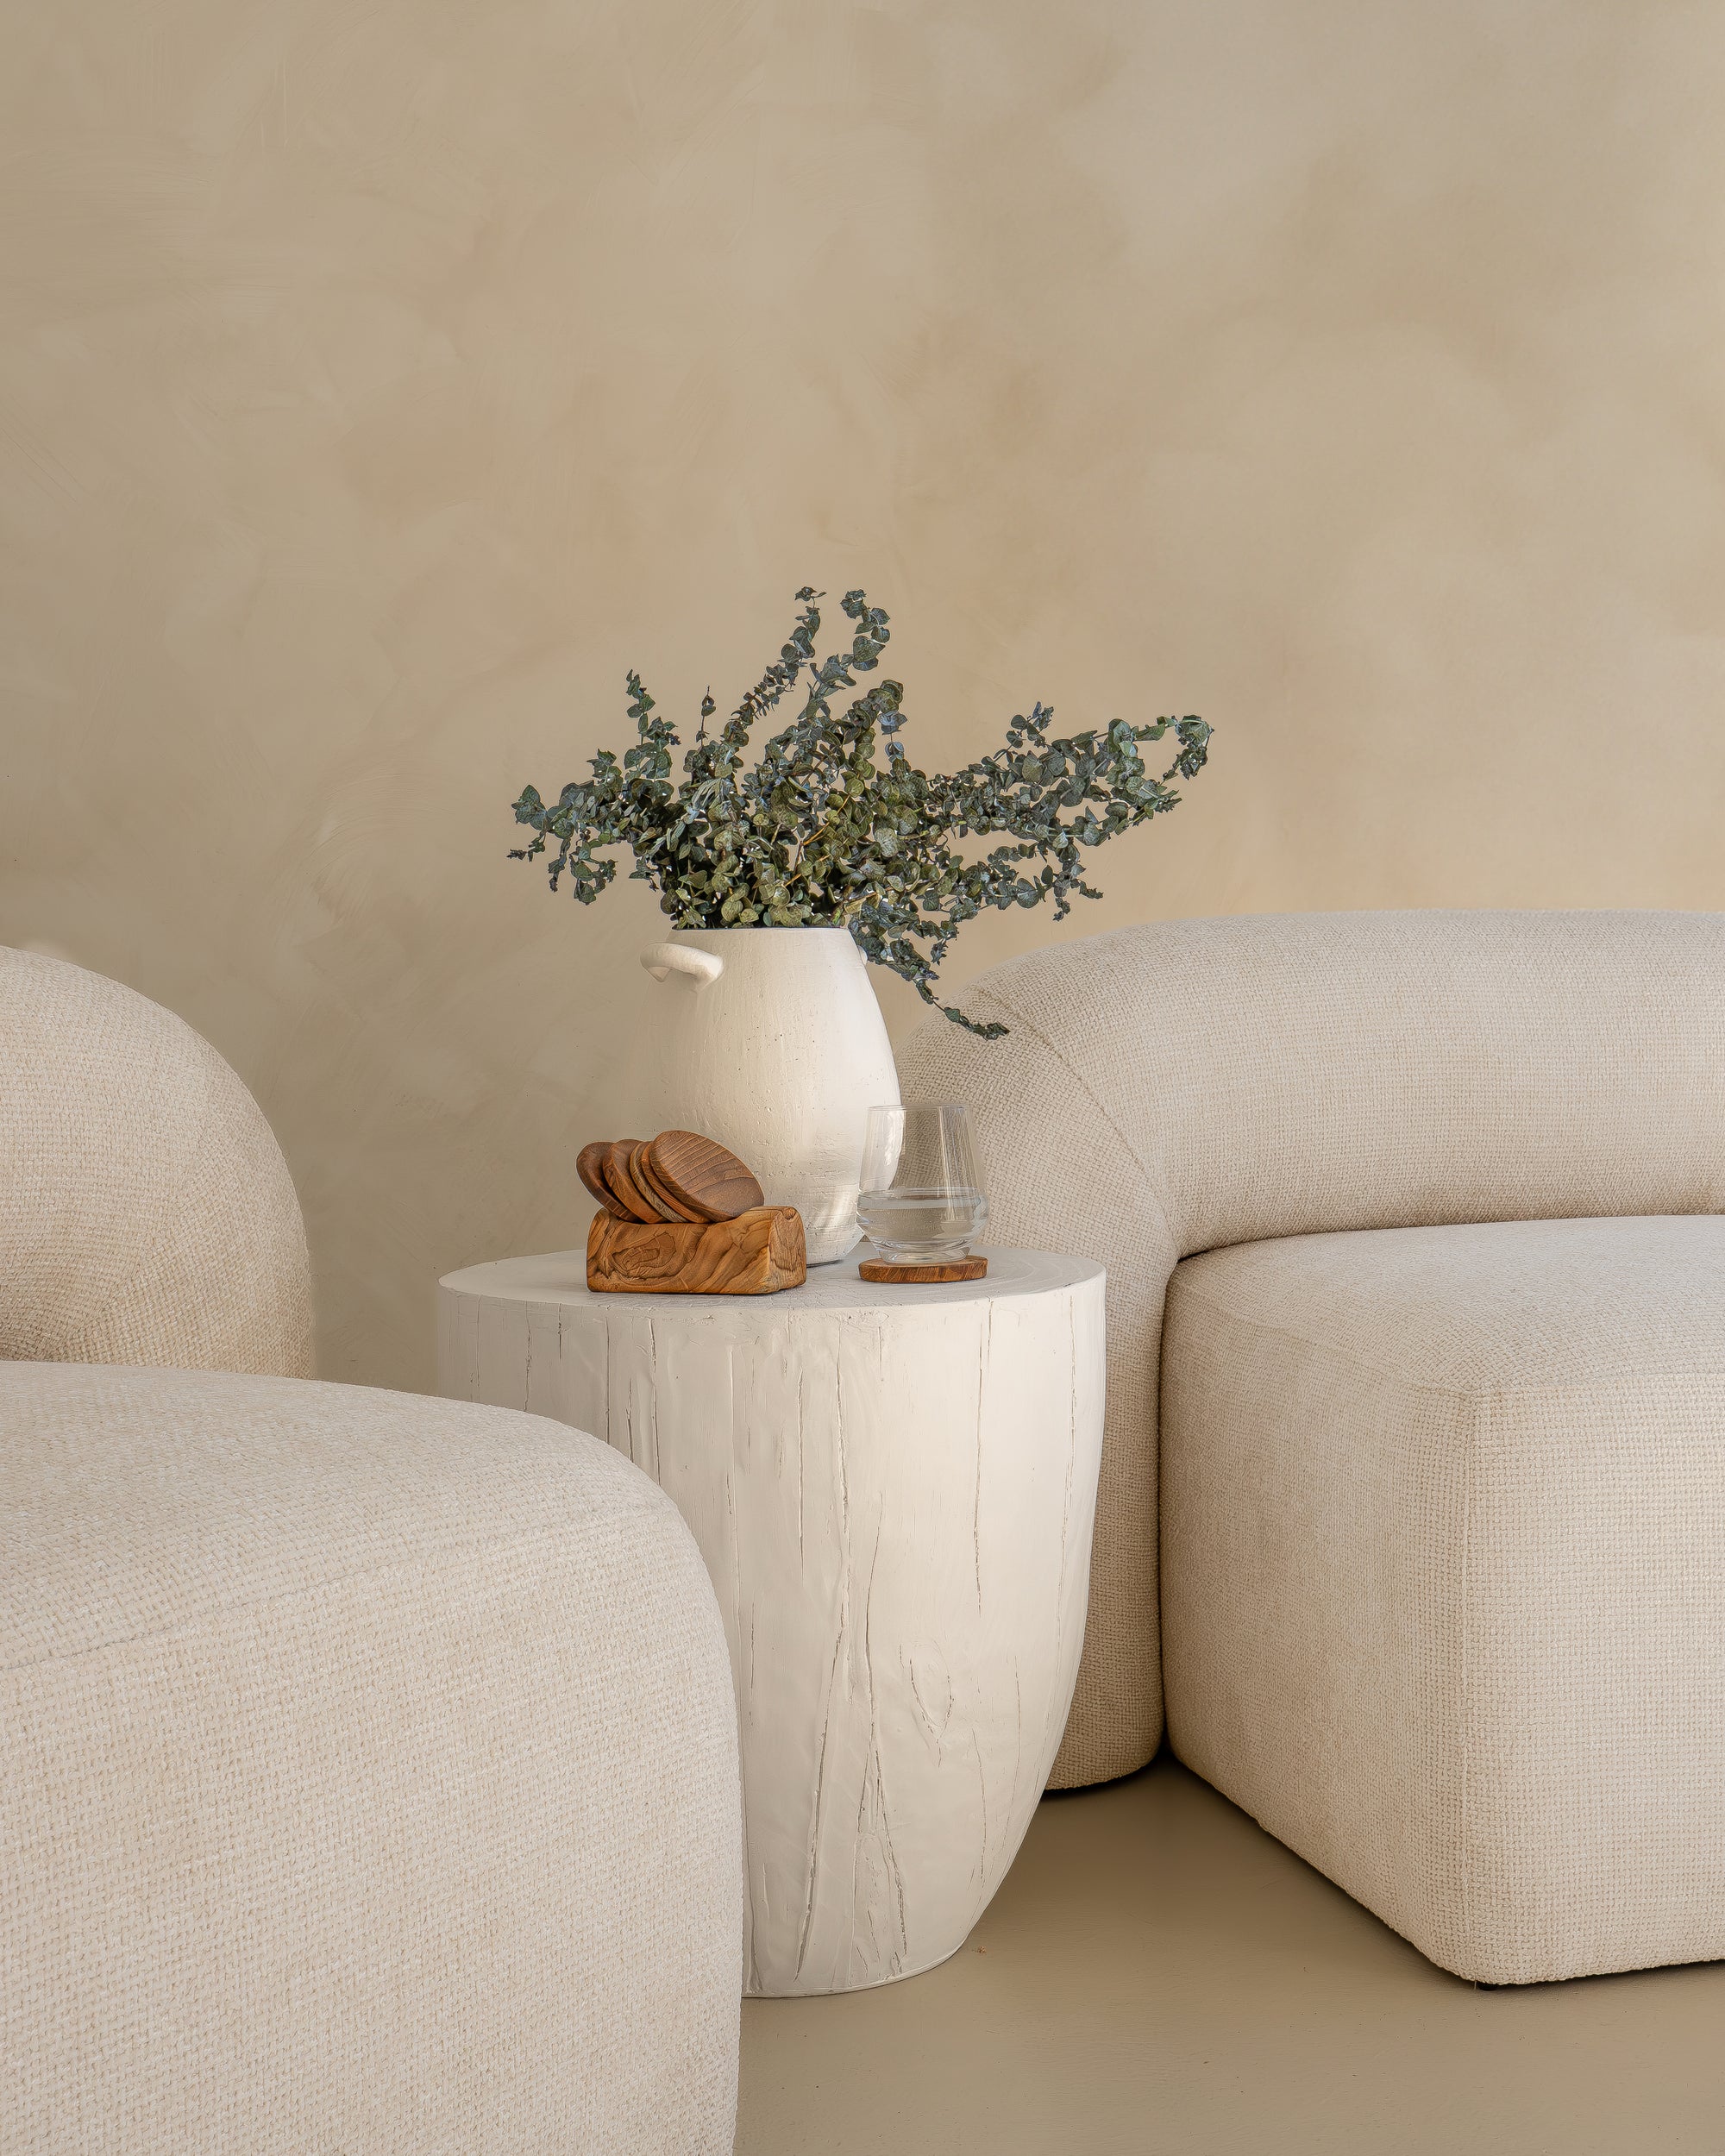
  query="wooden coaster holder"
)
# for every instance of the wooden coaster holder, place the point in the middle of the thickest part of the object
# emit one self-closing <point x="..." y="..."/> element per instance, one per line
<point x="756" y="1253"/>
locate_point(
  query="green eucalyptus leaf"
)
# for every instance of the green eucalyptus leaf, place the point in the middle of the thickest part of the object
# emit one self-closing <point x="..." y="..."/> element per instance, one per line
<point x="818" y="832"/>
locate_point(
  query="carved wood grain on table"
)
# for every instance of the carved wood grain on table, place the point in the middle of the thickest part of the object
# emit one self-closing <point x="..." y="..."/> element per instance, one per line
<point x="758" y="1253"/>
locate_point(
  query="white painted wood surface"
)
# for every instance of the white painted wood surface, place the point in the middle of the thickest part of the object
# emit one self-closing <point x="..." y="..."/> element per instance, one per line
<point x="893" y="1489"/>
<point x="770" y="1040"/>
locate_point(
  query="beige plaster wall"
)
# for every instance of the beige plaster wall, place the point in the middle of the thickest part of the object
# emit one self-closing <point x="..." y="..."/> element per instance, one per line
<point x="378" y="382"/>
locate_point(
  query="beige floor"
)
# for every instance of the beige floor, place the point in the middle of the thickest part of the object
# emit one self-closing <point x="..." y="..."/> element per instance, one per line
<point x="1157" y="1974"/>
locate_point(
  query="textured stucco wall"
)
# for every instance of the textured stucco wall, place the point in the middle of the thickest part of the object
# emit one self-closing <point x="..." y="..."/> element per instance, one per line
<point x="376" y="384"/>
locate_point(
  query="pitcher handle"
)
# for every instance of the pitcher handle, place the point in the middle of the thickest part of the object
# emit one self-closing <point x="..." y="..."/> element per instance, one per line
<point x="702" y="967"/>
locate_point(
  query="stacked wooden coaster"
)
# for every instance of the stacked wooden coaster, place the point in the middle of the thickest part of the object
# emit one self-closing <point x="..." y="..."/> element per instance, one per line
<point x="683" y="1216"/>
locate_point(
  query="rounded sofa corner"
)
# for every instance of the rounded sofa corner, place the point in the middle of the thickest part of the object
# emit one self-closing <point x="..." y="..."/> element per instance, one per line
<point x="372" y="1766"/>
<point x="147" y="1214"/>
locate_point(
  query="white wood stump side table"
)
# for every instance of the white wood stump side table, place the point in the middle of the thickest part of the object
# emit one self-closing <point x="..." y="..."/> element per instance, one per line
<point x="893" y="1488"/>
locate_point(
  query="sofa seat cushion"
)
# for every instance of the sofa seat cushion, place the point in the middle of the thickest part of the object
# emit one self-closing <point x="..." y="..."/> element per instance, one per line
<point x="368" y="1779"/>
<point x="1443" y="1549"/>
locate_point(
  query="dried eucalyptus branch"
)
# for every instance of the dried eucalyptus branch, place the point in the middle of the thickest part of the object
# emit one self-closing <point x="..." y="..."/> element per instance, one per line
<point x="821" y="832"/>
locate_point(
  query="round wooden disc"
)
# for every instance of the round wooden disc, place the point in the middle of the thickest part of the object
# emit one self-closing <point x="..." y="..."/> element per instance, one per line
<point x="631" y="1205"/>
<point x="640" y="1169"/>
<point x="663" y="1210"/>
<point x="879" y="1268"/>
<point x="700" y="1172"/>
<point x="640" y="1185"/>
<point x="589" y="1166"/>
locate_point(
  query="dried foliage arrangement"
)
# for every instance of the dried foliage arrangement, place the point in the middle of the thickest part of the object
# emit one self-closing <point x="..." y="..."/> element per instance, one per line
<point x="832" y="826"/>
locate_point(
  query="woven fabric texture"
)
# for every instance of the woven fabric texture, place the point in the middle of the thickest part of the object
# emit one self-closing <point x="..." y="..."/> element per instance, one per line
<point x="1170" y="1089"/>
<point x="147" y="1215"/>
<point x="1443" y="1583"/>
<point x="367" y="1780"/>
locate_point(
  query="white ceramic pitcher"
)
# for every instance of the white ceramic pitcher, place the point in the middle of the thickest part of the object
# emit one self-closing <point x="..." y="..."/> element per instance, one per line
<point x="770" y="1040"/>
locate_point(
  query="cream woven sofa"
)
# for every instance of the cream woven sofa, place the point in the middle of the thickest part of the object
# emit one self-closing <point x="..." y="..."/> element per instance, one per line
<point x="368" y="1763"/>
<point x="1417" y="1306"/>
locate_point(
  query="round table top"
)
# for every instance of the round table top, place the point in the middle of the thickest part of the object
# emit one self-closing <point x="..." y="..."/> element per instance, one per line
<point x="560" y="1276"/>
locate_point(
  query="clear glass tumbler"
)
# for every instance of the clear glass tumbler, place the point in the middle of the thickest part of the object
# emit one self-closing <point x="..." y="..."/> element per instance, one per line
<point x="921" y="1199"/>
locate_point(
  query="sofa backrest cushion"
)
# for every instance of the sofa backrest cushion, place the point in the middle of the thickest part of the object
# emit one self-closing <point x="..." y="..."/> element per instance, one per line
<point x="1183" y="1085"/>
<point x="147" y="1215"/>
